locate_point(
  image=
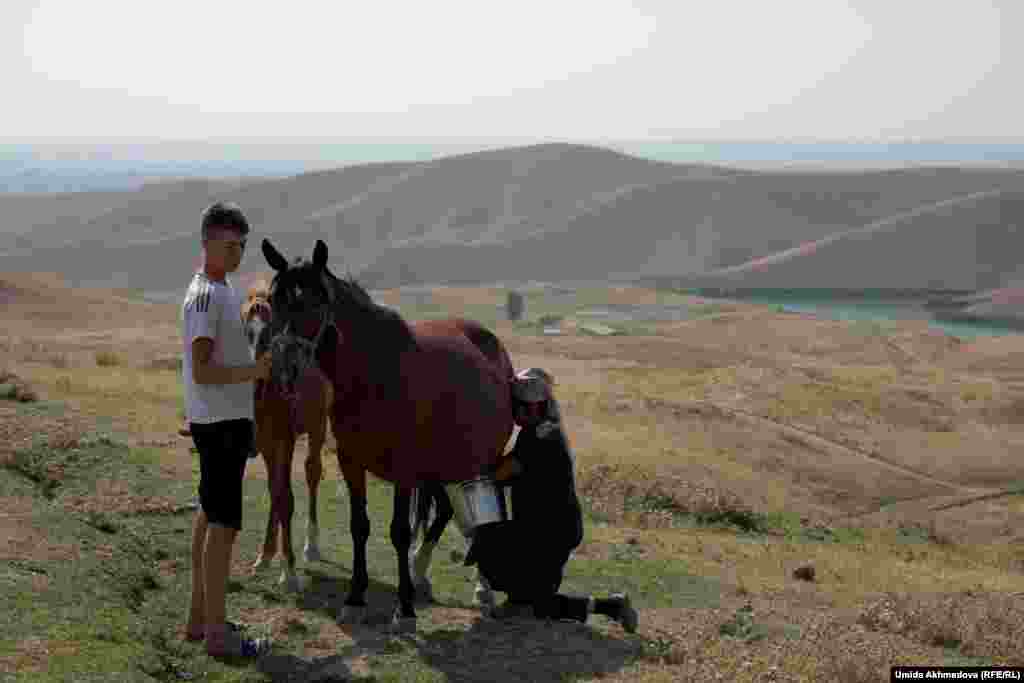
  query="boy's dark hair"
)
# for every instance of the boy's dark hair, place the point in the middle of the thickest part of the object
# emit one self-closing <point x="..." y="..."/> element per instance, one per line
<point x="224" y="215"/>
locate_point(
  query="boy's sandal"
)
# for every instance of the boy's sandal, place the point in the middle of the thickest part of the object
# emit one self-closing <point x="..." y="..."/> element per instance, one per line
<point x="239" y="646"/>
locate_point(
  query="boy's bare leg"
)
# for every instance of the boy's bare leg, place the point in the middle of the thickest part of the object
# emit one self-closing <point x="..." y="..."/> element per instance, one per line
<point x="219" y="544"/>
<point x="196" y="627"/>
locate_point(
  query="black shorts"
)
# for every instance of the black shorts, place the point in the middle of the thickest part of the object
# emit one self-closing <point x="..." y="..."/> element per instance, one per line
<point x="224" y="448"/>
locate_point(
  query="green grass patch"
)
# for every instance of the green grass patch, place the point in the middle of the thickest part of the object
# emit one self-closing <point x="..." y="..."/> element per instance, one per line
<point x="116" y="617"/>
<point x="741" y="521"/>
<point x="43" y="409"/>
<point x="91" y="608"/>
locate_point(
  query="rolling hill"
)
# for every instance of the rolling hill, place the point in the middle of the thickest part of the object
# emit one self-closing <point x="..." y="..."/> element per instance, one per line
<point x="550" y="212"/>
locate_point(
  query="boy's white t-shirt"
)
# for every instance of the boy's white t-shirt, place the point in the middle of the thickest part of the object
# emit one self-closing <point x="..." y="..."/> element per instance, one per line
<point x="214" y="310"/>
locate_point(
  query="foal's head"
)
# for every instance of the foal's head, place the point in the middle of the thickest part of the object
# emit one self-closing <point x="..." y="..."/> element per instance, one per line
<point x="257" y="317"/>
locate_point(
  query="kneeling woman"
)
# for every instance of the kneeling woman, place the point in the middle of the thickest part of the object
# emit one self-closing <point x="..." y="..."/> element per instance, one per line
<point x="525" y="557"/>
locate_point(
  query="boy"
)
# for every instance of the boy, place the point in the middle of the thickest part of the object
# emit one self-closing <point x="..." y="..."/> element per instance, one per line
<point x="218" y="375"/>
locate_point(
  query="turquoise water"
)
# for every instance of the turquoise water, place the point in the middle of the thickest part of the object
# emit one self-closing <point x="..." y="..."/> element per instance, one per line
<point x="882" y="313"/>
<point x="873" y="310"/>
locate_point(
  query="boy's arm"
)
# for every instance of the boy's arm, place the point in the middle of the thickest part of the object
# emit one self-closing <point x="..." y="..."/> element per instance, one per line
<point x="205" y="371"/>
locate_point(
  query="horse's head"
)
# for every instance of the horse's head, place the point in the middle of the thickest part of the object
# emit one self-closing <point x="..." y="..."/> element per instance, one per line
<point x="314" y="308"/>
<point x="304" y="299"/>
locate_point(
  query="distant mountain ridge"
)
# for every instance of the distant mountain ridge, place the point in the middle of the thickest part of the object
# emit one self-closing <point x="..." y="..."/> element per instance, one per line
<point x="551" y="212"/>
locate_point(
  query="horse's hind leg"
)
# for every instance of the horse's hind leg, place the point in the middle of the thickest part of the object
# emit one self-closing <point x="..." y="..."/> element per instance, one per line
<point x="355" y="480"/>
<point x="401" y="539"/>
<point x="422" y="556"/>
<point x="314" y="473"/>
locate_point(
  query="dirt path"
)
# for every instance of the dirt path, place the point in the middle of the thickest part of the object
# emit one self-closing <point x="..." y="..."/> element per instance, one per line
<point x="813" y="440"/>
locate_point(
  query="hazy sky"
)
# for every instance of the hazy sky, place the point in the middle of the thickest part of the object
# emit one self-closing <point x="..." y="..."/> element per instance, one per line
<point x="594" y="69"/>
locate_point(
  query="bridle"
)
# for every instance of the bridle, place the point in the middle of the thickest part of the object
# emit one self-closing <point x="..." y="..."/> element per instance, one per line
<point x="286" y="342"/>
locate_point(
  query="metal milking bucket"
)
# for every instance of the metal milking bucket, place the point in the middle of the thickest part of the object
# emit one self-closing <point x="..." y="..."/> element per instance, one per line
<point x="477" y="502"/>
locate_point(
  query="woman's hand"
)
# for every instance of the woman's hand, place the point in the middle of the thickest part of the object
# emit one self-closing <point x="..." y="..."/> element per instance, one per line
<point x="508" y="468"/>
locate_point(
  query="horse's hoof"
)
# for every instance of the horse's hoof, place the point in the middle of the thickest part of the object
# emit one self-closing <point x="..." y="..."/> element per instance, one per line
<point x="484" y="599"/>
<point x="311" y="553"/>
<point x="352" y="614"/>
<point x="400" y="624"/>
<point x="424" y="591"/>
<point x="291" y="582"/>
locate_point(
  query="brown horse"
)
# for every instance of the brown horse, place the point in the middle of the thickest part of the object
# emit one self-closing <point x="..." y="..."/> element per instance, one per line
<point x="279" y="423"/>
<point x="415" y="404"/>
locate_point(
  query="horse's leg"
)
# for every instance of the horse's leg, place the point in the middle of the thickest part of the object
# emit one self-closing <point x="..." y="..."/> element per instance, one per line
<point x="401" y="539"/>
<point x="355" y="478"/>
<point x="286" y="508"/>
<point x="422" y="556"/>
<point x="314" y="473"/>
<point x="270" y="540"/>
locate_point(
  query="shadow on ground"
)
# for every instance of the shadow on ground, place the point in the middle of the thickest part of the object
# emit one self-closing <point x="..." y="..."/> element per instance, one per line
<point x="463" y="647"/>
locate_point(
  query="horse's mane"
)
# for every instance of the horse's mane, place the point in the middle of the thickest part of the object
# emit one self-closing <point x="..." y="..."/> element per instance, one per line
<point x="392" y="330"/>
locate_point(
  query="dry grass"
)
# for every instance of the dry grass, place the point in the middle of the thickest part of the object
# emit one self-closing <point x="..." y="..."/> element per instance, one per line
<point x="978" y="623"/>
<point x="649" y="462"/>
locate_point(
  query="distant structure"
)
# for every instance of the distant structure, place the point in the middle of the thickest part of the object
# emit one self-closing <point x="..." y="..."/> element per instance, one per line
<point x="515" y="306"/>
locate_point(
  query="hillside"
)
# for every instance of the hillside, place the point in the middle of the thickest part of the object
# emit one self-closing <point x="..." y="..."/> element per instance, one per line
<point x="968" y="242"/>
<point x="545" y="212"/>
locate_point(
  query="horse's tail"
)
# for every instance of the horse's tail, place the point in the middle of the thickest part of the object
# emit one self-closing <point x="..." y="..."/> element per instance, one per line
<point x="424" y="508"/>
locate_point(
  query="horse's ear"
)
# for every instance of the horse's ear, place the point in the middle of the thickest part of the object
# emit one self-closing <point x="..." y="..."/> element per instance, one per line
<point x="273" y="256"/>
<point x="320" y="255"/>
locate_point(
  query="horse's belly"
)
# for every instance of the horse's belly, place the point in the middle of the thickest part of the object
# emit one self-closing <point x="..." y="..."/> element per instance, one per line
<point x="428" y="451"/>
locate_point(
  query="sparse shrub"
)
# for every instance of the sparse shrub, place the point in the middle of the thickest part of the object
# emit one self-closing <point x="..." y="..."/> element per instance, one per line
<point x="106" y="359"/>
<point x="64" y="383"/>
<point x="742" y="626"/>
<point x="977" y="624"/>
<point x="102" y="522"/>
<point x="13" y="388"/>
<point x="617" y="492"/>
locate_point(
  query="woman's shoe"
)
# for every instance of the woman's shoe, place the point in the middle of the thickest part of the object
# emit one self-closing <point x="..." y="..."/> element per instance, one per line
<point x="623" y="612"/>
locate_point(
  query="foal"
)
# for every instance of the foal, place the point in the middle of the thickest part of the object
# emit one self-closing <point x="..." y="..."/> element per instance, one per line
<point x="280" y="420"/>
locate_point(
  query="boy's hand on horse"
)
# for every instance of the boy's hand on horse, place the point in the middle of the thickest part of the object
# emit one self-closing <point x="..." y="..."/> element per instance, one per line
<point x="263" y="366"/>
<point x="205" y="371"/>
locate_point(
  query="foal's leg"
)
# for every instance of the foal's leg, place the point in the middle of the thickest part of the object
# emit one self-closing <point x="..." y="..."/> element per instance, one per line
<point x="401" y="539"/>
<point x="422" y="556"/>
<point x="270" y="540"/>
<point x="286" y="511"/>
<point x="355" y="478"/>
<point x="314" y="473"/>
